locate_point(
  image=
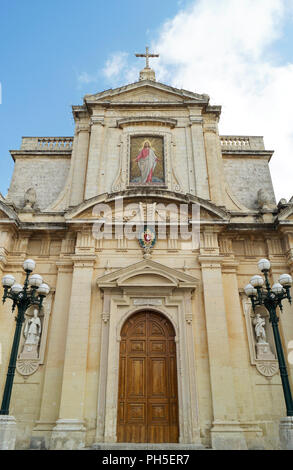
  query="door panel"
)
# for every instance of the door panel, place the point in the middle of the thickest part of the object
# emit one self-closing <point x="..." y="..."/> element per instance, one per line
<point x="147" y="395"/>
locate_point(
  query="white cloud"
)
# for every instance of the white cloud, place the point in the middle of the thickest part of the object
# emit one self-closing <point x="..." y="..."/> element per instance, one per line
<point x="225" y="48"/>
<point x="115" y="64"/>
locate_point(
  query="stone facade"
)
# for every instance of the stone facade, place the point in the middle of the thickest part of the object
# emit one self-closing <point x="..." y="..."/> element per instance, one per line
<point x="228" y="397"/>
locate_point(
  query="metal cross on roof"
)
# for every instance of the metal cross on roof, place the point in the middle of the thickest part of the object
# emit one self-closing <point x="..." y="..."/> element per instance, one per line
<point x="147" y="55"/>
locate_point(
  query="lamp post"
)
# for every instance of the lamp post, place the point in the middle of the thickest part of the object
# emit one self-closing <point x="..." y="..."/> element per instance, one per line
<point x="260" y="292"/>
<point x="31" y="293"/>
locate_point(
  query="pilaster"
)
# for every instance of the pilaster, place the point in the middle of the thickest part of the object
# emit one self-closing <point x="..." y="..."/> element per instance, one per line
<point x="240" y="355"/>
<point x="214" y="162"/>
<point x="95" y="156"/>
<point x="79" y="164"/>
<point x="69" y="432"/>
<point x="49" y="408"/>
<point x="226" y="432"/>
<point x="198" y="147"/>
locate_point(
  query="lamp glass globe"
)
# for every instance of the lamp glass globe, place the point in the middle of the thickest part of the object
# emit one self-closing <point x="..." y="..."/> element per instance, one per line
<point x="277" y="288"/>
<point x="35" y="280"/>
<point x="257" y="281"/>
<point x="44" y="289"/>
<point x="8" y="280"/>
<point x="264" y="264"/>
<point x="16" y="288"/>
<point x="285" y="280"/>
<point x="29" y="265"/>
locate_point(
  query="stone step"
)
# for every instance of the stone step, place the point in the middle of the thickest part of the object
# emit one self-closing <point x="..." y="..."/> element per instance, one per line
<point x="146" y="446"/>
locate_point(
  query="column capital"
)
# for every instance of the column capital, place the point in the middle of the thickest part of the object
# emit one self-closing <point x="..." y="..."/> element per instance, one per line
<point x="207" y="261"/>
<point x="229" y="266"/>
<point x="195" y="120"/>
<point x="97" y="120"/>
<point x="82" y="127"/>
<point x="64" y="265"/>
<point x="83" y="261"/>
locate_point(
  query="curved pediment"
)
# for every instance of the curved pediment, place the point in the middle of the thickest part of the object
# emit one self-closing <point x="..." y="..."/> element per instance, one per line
<point x="7" y="214"/>
<point x="147" y="273"/>
<point x="126" y="205"/>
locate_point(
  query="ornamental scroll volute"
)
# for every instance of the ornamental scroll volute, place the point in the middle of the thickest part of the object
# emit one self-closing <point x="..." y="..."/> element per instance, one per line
<point x="33" y="338"/>
<point x="260" y="339"/>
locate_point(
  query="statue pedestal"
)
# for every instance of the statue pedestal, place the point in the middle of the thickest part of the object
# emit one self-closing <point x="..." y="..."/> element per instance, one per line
<point x="30" y="351"/>
<point x="263" y="351"/>
<point x="7" y="432"/>
<point x="286" y="433"/>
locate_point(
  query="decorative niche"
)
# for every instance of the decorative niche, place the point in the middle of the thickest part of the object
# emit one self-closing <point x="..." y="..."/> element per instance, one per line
<point x="34" y="337"/>
<point x="260" y="338"/>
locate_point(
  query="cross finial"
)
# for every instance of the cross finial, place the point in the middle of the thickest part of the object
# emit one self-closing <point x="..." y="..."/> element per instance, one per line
<point x="147" y="56"/>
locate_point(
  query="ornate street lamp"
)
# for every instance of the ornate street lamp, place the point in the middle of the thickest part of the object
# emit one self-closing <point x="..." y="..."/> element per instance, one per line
<point x="261" y="293"/>
<point x="31" y="293"/>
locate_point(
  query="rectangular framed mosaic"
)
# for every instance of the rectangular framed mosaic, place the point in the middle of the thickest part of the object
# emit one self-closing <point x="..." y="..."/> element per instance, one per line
<point x="147" y="160"/>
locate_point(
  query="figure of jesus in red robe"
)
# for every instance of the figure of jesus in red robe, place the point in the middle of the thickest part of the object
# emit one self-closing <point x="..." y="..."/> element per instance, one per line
<point x="147" y="161"/>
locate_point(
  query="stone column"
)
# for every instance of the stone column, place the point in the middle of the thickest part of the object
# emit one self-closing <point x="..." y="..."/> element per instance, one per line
<point x="200" y="164"/>
<point x="226" y="432"/>
<point x="95" y="156"/>
<point x="214" y="163"/>
<point x="69" y="432"/>
<point x="239" y="354"/>
<point x="52" y="384"/>
<point x="79" y="164"/>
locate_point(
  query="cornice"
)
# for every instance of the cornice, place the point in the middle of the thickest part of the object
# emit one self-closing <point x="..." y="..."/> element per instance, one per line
<point x="147" y="120"/>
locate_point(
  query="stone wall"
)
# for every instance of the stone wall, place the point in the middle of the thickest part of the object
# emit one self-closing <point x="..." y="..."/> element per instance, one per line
<point x="245" y="176"/>
<point x="47" y="175"/>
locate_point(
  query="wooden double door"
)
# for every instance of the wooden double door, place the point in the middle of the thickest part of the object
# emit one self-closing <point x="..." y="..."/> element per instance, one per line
<point x="148" y="392"/>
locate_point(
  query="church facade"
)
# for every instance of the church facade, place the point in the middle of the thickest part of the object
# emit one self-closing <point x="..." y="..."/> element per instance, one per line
<point x="146" y="225"/>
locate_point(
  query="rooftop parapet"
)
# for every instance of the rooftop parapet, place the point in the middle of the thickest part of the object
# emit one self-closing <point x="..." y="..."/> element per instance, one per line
<point x="46" y="143"/>
<point x="239" y="143"/>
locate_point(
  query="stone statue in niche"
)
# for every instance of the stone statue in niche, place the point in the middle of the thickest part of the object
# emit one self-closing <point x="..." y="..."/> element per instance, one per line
<point x="259" y="326"/>
<point x="30" y="198"/>
<point x="263" y="349"/>
<point x="32" y="334"/>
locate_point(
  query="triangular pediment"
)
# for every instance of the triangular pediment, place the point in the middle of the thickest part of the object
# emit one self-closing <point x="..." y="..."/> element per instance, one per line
<point x="147" y="273"/>
<point x="147" y="91"/>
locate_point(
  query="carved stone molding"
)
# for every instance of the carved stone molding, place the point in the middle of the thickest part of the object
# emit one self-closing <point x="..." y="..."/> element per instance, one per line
<point x="105" y="317"/>
<point x="188" y="318"/>
<point x="267" y="368"/>
<point x="27" y="366"/>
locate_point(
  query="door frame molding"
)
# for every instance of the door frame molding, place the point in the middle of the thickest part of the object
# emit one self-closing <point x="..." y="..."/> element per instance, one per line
<point x="174" y="302"/>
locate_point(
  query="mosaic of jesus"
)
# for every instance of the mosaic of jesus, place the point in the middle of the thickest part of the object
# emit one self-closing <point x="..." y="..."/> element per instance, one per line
<point x="146" y="160"/>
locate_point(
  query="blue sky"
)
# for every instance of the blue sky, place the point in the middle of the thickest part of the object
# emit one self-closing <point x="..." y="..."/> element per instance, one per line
<point x="53" y="53"/>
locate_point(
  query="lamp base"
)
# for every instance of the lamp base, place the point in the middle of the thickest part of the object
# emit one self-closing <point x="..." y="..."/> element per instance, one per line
<point x="7" y="432"/>
<point x="286" y="433"/>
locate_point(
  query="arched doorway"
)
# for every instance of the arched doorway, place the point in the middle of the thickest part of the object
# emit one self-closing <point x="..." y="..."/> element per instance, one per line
<point x="148" y="392"/>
